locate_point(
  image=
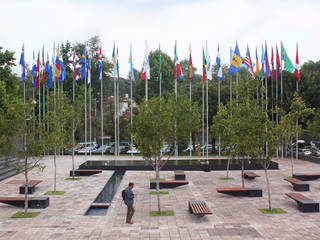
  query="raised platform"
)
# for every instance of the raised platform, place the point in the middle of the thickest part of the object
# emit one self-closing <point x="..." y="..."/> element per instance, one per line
<point x="241" y="192"/>
<point x="168" y="184"/>
<point x="171" y="165"/>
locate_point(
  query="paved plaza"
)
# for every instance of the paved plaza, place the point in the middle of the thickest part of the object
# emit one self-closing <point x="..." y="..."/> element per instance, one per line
<point x="233" y="217"/>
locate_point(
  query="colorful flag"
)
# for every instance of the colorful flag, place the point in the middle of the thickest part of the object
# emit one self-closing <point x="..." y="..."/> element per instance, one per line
<point x="114" y="60"/>
<point x="34" y="72"/>
<point x="209" y="65"/>
<point x="131" y="65"/>
<point x="117" y="64"/>
<point x="89" y="70"/>
<point x="190" y="65"/>
<point x="83" y="64"/>
<point x="263" y="64"/>
<point x="236" y="61"/>
<point x="58" y="66"/>
<point x="23" y="65"/>
<point x="288" y="66"/>
<point x="219" y="67"/>
<point x="266" y="60"/>
<point x="257" y="65"/>
<point x="63" y="72"/>
<point x="204" y="63"/>
<point x="74" y="64"/>
<point x="43" y="67"/>
<point x="145" y="74"/>
<point x="48" y="71"/>
<point x="272" y="65"/>
<point x="38" y="71"/>
<point x="297" y="69"/>
<point x="247" y="61"/>
<point x="278" y="64"/>
<point x="176" y="64"/>
<point x="53" y="60"/>
<point x="100" y="64"/>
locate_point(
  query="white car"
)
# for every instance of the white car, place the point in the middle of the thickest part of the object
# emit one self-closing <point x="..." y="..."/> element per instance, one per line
<point x="134" y="150"/>
<point x="87" y="150"/>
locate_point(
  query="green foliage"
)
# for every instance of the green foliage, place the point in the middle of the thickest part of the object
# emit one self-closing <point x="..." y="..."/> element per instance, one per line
<point x="313" y="125"/>
<point x="22" y="215"/>
<point x="226" y="178"/>
<point x="154" y="179"/>
<point x="161" y="192"/>
<point x="73" y="179"/>
<point x="273" y="211"/>
<point x="162" y="213"/>
<point x="55" y="193"/>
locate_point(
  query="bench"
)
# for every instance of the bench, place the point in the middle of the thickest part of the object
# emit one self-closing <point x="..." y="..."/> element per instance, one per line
<point x="241" y="192"/>
<point x="179" y="175"/>
<point x="33" y="202"/>
<point x="85" y="172"/>
<point x="307" y="177"/>
<point x="250" y="175"/>
<point x="168" y="184"/>
<point x="199" y="208"/>
<point x="31" y="186"/>
<point x="305" y="204"/>
<point x="298" y="185"/>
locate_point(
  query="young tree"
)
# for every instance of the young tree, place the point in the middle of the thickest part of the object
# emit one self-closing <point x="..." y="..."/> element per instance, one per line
<point x="161" y="121"/>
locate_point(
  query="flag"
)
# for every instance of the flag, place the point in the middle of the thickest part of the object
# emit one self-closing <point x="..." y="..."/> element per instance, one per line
<point x="74" y="65"/>
<point x="58" y="66"/>
<point x="278" y="64"/>
<point x="190" y="65"/>
<point x="114" y="60"/>
<point x="176" y="64"/>
<point x="89" y="70"/>
<point x="263" y="64"/>
<point x="131" y="65"/>
<point x="297" y="69"/>
<point x="236" y="61"/>
<point x="248" y="62"/>
<point x="209" y="65"/>
<point x="117" y="64"/>
<point x="288" y="66"/>
<point x="272" y="65"/>
<point x="219" y="67"/>
<point x="34" y="72"/>
<point x="145" y="74"/>
<point x="83" y="64"/>
<point x="257" y="65"/>
<point x="53" y="60"/>
<point x="63" y="72"/>
<point x="38" y="71"/>
<point x="23" y="65"/>
<point x="204" y="63"/>
<point x="100" y="65"/>
<point x="43" y="67"/>
<point x="267" y="67"/>
<point x="48" y="71"/>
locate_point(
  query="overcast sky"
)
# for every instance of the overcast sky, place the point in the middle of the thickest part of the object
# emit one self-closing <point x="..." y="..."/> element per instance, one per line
<point x="41" y="22"/>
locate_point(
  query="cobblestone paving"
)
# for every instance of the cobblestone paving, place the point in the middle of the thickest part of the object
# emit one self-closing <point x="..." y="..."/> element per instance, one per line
<point x="233" y="217"/>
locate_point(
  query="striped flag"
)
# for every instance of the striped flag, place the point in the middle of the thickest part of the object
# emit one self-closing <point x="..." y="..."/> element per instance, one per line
<point x="145" y="74"/>
<point x="43" y="67"/>
<point x="74" y="65"/>
<point x="204" y="63"/>
<point x="131" y="65"/>
<point x="209" y="65"/>
<point x="23" y="65"/>
<point x="89" y="70"/>
<point x="257" y="64"/>
<point x="297" y="69"/>
<point x="247" y="61"/>
<point x="190" y="65"/>
<point x="100" y="65"/>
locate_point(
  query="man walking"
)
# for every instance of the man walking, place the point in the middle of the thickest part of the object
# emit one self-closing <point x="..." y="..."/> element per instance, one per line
<point x="128" y="200"/>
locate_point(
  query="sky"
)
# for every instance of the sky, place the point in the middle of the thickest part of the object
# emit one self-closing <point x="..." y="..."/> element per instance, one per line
<point x="38" y="23"/>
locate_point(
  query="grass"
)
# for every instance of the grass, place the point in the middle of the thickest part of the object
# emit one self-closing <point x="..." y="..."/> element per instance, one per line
<point x="21" y="215"/>
<point x="225" y="178"/>
<point x="318" y="188"/>
<point x="75" y="179"/>
<point x="55" y="193"/>
<point x="154" y="179"/>
<point x="162" y="213"/>
<point x="288" y="176"/>
<point x="155" y="192"/>
<point x="273" y="211"/>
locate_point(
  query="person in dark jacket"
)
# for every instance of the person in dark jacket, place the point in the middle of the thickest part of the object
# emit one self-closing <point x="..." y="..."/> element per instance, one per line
<point x="129" y="196"/>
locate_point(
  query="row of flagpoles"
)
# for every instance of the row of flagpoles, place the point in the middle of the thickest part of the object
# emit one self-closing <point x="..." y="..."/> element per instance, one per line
<point x="40" y="67"/>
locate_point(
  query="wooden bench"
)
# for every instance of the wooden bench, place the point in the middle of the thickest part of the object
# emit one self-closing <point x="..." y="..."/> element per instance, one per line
<point x="179" y="175"/>
<point x="250" y="175"/>
<point x="33" y="202"/>
<point x="85" y="172"/>
<point x="31" y="186"/>
<point x="168" y="184"/>
<point x="305" y="204"/>
<point x="307" y="177"/>
<point x="298" y="185"/>
<point x="199" y="208"/>
<point x="241" y="192"/>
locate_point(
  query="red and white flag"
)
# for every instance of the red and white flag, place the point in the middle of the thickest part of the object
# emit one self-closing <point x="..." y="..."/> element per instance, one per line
<point x="297" y="69"/>
<point x="145" y="74"/>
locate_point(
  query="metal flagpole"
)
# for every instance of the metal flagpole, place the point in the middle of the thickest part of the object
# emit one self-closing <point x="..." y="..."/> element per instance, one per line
<point x="175" y="127"/>
<point x="131" y="122"/>
<point x="39" y="104"/>
<point x="118" y="113"/>
<point x="33" y="103"/>
<point x="62" y="108"/>
<point x="101" y="107"/>
<point x="190" y="99"/>
<point x="115" y="118"/>
<point x="202" y="118"/>
<point x="207" y="123"/>
<point x="281" y="100"/>
<point x="85" y="105"/>
<point x="297" y="86"/>
<point x="160" y="73"/>
<point x="219" y="110"/>
<point x="73" y="123"/>
<point x="90" y="126"/>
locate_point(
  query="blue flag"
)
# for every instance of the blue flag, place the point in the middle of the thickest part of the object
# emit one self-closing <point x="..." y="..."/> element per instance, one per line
<point x="219" y="68"/>
<point x="131" y="65"/>
<point x="263" y="62"/>
<point x="63" y="72"/>
<point x="100" y="65"/>
<point x="48" y="71"/>
<point x="34" y="72"/>
<point x="236" y="61"/>
<point x="23" y="65"/>
<point x="83" y="64"/>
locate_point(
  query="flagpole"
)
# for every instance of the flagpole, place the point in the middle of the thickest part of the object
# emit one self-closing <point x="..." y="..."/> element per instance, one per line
<point x="281" y="100"/>
<point x="39" y="105"/>
<point x="219" y="138"/>
<point x="207" y="106"/>
<point x="131" y="122"/>
<point x="277" y="115"/>
<point x="73" y="123"/>
<point x="118" y="113"/>
<point x="85" y="105"/>
<point x="90" y="112"/>
<point x="101" y="108"/>
<point x="190" y="99"/>
<point x="115" y="118"/>
<point x="160" y="73"/>
<point x="202" y="119"/>
<point x="62" y="150"/>
<point x="33" y="103"/>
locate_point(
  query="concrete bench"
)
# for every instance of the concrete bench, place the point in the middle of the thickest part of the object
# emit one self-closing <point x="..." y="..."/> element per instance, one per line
<point x="85" y="172"/>
<point x="33" y="202"/>
<point x="298" y="185"/>
<point x="305" y="204"/>
<point x="199" y="208"/>
<point x="31" y="186"/>
<point x="168" y="184"/>
<point x="250" y="175"/>
<point x="307" y="177"/>
<point x="241" y="192"/>
<point x="179" y="175"/>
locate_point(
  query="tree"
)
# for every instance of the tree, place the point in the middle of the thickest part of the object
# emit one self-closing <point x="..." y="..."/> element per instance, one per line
<point x="313" y="125"/>
<point x="161" y="121"/>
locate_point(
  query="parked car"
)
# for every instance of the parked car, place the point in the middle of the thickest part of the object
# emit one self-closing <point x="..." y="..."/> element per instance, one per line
<point x="314" y="151"/>
<point x="87" y="150"/>
<point x="134" y="150"/>
<point x="301" y="145"/>
<point x="306" y="151"/>
<point x="102" y="149"/>
<point x="165" y="149"/>
<point x="188" y="149"/>
<point x="204" y="148"/>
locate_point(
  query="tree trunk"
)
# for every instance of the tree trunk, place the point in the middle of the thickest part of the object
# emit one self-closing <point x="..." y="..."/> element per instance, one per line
<point x="268" y="184"/>
<point x="194" y="142"/>
<point x="197" y="143"/>
<point x="73" y="162"/>
<point x="242" y="172"/>
<point x="55" y="169"/>
<point x="228" y="165"/>
<point x="291" y="161"/>
<point x="157" y="182"/>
